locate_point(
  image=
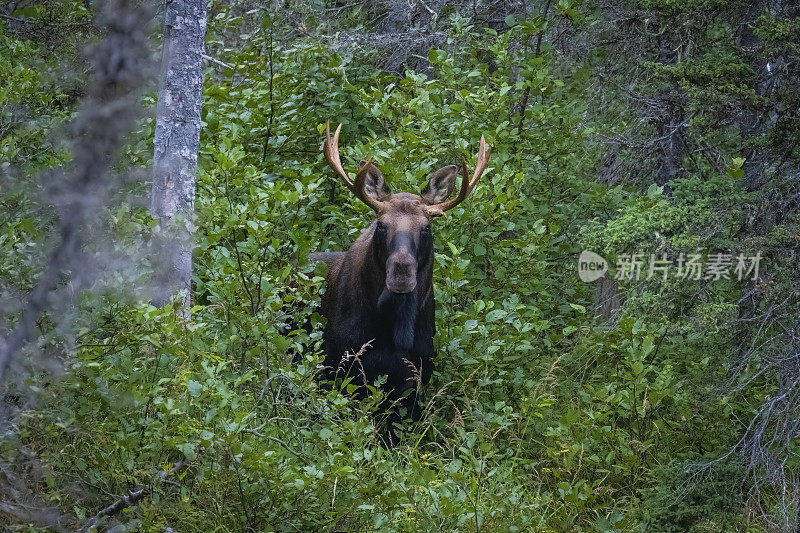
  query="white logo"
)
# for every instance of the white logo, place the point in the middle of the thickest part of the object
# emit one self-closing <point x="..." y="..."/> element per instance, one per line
<point x="591" y="266"/>
<point x="636" y="266"/>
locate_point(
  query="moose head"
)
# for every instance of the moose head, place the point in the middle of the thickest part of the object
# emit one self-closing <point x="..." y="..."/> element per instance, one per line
<point x="402" y="240"/>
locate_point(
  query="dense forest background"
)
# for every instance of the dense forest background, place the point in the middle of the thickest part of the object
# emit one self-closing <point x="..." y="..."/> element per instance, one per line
<point x="617" y="126"/>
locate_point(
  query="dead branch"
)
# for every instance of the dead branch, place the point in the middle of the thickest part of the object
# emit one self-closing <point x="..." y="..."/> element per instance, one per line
<point x="132" y="497"/>
<point x="107" y="116"/>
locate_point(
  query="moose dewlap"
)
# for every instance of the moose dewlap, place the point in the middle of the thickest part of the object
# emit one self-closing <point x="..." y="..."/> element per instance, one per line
<point x="379" y="302"/>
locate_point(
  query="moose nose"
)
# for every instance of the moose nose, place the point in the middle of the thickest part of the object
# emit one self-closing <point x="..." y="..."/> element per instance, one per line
<point x="402" y="268"/>
<point x="401" y="273"/>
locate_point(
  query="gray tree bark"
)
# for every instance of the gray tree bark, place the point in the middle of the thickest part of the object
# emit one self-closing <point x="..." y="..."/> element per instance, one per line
<point x="177" y="139"/>
<point x="672" y="122"/>
<point x="749" y="120"/>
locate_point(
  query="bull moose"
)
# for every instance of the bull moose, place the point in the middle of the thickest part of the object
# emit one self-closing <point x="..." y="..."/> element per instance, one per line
<point x="379" y="301"/>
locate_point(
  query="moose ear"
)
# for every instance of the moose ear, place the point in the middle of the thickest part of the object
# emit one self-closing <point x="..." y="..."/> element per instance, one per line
<point x="440" y="185"/>
<point x="374" y="185"/>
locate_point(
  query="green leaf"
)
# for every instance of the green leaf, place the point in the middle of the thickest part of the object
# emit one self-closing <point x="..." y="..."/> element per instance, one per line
<point x="496" y="314"/>
<point x="654" y="191"/>
<point x="195" y="388"/>
<point x="579" y="308"/>
<point x="188" y="450"/>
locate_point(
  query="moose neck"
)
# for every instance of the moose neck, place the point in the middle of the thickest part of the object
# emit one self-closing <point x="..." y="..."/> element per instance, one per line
<point x="397" y="311"/>
<point x="400" y="312"/>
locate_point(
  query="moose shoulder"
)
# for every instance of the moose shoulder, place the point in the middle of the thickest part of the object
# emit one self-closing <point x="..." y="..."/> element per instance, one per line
<point x="379" y="302"/>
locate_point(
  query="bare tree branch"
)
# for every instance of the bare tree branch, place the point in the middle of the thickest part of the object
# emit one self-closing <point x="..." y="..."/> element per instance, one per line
<point x="132" y="497"/>
<point x="106" y="117"/>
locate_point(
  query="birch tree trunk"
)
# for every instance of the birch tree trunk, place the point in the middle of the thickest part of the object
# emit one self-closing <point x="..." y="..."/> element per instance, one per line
<point x="177" y="139"/>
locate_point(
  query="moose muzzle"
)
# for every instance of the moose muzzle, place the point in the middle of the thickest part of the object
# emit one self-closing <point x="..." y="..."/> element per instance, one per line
<point x="401" y="272"/>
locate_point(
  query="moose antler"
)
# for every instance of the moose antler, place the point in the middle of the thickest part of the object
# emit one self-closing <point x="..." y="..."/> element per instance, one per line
<point x="331" y="151"/>
<point x="466" y="184"/>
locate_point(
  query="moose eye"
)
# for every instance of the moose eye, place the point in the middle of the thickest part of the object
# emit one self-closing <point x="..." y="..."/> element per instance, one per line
<point x="381" y="227"/>
<point x="426" y="230"/>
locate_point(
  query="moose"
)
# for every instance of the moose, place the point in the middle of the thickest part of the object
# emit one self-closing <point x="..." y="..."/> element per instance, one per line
<point x="379" y="301"/>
